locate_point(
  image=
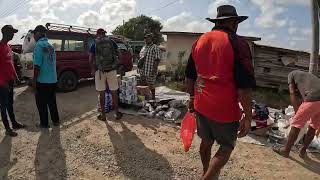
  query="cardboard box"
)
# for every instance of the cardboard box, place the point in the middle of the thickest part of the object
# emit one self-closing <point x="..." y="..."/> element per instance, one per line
<point x="143" y="91"/>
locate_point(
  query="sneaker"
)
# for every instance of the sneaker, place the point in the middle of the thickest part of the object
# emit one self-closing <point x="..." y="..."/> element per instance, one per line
<point x="56" y="123"/>
<point x="11" y="133"/>
<point x="18" y="126"/>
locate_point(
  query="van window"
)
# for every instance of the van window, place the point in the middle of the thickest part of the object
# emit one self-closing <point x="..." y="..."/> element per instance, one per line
<point x="122" y="46"/>
<point x="90" y="42"/>
<point x="56" y="43"/>
<point x="74" y="45"/>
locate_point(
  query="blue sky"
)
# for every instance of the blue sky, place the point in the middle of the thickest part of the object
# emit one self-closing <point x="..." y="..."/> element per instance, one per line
<point x="282" y="23"/>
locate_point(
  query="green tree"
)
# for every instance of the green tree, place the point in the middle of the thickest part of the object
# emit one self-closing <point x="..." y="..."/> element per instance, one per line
<point x="137" y="27"/>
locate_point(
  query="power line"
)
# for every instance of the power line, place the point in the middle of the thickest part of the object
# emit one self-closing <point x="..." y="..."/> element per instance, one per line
<point x="9" y="6"/>
<point x="167" y="5"/>
<point x="20" y="6"/>
<point x="8" y="13"/>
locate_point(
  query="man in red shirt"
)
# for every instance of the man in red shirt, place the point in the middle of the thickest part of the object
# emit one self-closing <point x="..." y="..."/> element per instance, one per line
<point x="7" y="77"/>
<point x="219" y="75"/>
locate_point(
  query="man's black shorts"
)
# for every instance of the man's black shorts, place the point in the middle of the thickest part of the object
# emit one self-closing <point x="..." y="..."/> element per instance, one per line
<point x="225" y="134"/>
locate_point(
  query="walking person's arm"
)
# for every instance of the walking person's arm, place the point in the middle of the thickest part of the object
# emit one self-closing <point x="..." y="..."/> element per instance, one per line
<point x="36" y="73"/>
<point x="245" y="98"/>
<point x="293" y="97"/>
<point x="191" y="77"/>
<point x="92" y="52"/>
<point x="92" y="62"/>
<point x="37" y="62"/>
<point x="245" y="87"/>
<point x="157" y="58"/>
<point x="3" y="82"/>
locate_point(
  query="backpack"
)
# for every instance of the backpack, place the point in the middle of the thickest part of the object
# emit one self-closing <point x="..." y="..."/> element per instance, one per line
<point x="261" y="110"/>
<point x="105" y="55"/>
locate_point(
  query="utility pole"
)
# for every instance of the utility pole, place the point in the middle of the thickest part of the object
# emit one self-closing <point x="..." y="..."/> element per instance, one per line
<point x="314" y="59"/>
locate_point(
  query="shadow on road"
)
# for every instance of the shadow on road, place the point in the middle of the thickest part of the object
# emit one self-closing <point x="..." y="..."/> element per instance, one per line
<point x="50" y="161"/>
<point x="70" y="105"/>
<point x="136" y="161"/>
<point x="310" y="164"/>
<point x="147" y="123"/>
<point x="5" y="157"/>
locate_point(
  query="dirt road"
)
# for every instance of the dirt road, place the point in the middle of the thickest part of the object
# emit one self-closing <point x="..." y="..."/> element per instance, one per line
<point x="134" y="148"/>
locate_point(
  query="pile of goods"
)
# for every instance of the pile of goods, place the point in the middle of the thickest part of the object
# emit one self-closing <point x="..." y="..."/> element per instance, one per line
<point x="168" y="110"/>
<point x="128" y="90"/>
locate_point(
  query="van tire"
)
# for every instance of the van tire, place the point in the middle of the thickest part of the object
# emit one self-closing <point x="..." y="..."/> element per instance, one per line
<point x="68" y="81"/>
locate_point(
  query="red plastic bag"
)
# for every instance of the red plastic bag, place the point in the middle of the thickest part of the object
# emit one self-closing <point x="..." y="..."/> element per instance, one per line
<point x="188" y="128"/>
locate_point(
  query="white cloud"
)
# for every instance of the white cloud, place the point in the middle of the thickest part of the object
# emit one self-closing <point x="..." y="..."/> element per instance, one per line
<point x="157" y="18"/>
<point x="269" y="14"/>
<point x="252" y="34"/>
<point x="306" y="31"/>
<point x="270" y="37"/>
<point x="90" y="19"/>
<point x="212" y="10"/>
<point x="186" y="22"/>
<point x="292" y="44"/>
<point x="110" y="15"/>
<point x="24" y="24"/>
<point x="292" y="2"/>
<point x="272" y="12"/>
<point x="292" y="27"/>
<point x="40" y="5"/>
<point x="298" y="38"/>
<point x="292" y="30"/>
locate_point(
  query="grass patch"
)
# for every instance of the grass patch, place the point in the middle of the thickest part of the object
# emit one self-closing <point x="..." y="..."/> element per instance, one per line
<point x="271" y="97"/>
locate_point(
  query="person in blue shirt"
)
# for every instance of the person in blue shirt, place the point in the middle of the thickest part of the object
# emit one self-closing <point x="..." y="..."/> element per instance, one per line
<point x="45" y="78"/>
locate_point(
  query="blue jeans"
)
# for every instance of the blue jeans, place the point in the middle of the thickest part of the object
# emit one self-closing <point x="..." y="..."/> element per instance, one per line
<point x="6" y="105"/>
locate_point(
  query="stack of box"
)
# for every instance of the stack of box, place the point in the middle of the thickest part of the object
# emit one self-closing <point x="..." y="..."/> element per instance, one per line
<point x="128" y="90"/>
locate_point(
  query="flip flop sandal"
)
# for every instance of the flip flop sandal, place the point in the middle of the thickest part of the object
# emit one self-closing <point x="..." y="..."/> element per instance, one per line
<point x="278" y="151"/>
<point x="100" y="118"/>
<point x="118" y="115"/>
<point x="304" y="156"/>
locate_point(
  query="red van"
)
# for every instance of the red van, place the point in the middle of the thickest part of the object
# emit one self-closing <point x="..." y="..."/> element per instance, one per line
<point x="72" y="44"/>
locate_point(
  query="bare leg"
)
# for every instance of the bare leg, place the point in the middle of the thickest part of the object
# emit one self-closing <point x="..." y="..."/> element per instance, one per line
<point x="118" y="114"/>
<point x="115" y="101"/>
<point x="205" y="153"/>
<point x="153" y="92"/>
<point x="216" y="164"/>
<point x="102" y="105"/>
<point x="293" y="135"/>
<point x="308" y="139"/>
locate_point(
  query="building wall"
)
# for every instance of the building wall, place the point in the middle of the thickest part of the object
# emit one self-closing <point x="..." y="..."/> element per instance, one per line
<point x="272" y="65"/>
<point x="178" y="47"/>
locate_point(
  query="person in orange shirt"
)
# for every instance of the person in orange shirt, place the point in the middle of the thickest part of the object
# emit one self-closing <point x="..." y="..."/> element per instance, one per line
<point x="219" y="75"/>
<point x="7" y="77"/>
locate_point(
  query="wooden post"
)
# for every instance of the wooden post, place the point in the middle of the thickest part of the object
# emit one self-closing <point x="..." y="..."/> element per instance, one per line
<point x="313" y="67"/>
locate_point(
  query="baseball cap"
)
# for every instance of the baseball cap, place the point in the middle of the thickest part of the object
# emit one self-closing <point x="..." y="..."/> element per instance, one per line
<point x="101" y="31"/>
<point x="8" y="28"/>
<point x="40" y="28"/>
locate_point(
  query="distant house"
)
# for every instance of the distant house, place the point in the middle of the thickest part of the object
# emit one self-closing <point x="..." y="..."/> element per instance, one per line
<point x="179" y="46"/>
<point x="272" y="65"/>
